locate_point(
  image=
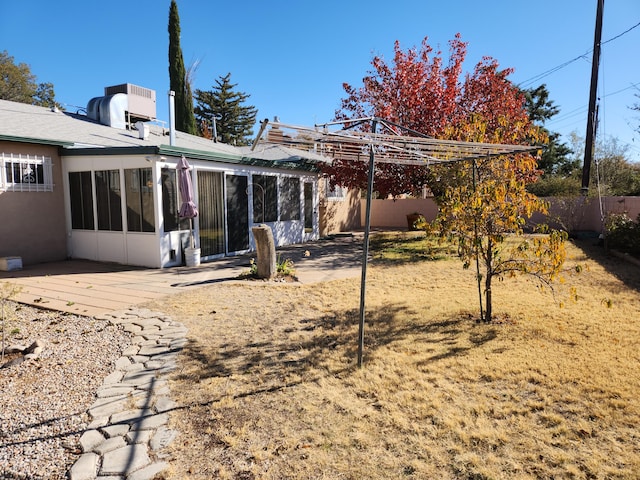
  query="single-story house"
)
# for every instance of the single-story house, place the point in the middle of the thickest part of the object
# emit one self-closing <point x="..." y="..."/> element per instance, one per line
<point x="102" y="185"/>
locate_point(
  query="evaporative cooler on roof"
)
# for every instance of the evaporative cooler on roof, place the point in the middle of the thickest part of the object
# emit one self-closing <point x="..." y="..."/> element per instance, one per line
<point x="123" y="105"/>
<point x="142" y="101"/>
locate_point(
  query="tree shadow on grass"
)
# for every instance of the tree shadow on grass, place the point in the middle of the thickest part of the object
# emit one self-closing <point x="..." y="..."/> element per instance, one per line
<point x="308" y="349"/>
<point x="410" y="247"/>
<point x="444" y="338"/>
<point x="624" y="270"/>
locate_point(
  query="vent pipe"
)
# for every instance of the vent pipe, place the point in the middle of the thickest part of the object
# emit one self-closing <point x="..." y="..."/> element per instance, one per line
<point x="172" y="118"/>
<point x="143" y="130"/>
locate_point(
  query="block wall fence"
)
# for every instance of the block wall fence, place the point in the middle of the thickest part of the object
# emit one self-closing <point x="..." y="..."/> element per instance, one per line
<point x="572" y="214"/>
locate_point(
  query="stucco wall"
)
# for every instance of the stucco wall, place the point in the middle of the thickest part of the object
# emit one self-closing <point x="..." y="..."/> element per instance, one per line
<point x="586" y="214"/>
<point x="393" y="213"/>
<point x="572" y="214"/>
<point x="339" y="215"/>
<point x="32" y="224"/>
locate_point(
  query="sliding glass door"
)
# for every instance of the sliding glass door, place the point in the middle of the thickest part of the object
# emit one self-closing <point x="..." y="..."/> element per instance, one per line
<point x="211" y="213"/>
<point x="237" y="213"/>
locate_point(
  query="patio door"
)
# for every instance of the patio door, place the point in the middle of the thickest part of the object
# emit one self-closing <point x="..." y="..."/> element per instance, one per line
<point x="237" y="213"/>
<point x="211" y="213"/>
<point x="308" y="211"/>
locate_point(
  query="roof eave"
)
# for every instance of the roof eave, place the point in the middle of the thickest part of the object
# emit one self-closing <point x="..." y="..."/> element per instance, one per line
<point x="38" y="141"/>
<point x="168" y="150"/>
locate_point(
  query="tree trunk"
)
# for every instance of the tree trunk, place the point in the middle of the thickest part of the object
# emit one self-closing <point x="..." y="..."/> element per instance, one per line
<point x="487" y="281"/>
<point x="266" y="250"/>
<point x="487" y="285"/>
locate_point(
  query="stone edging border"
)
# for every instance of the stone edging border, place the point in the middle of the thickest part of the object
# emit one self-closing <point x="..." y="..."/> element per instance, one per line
<point x="129" y="419"/>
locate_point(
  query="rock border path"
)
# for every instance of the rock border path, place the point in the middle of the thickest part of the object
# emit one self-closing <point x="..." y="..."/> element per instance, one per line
<point x="129" y="419"/>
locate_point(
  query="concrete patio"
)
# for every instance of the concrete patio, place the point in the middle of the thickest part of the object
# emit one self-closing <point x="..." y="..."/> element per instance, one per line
<point x="93" y="288"/>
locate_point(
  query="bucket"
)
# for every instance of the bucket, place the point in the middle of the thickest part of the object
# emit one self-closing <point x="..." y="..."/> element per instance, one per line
<point x="192" y="257"/>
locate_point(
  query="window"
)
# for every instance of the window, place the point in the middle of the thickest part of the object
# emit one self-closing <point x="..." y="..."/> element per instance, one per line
<point x="81" y="193"/>
<point x="308" y="207"/>
<point x="139" y="194"/>
<point x="265" y="198"/>
<point x="335" y="193"/>
<point x="169" y="199"/>
<point x="290" y="199"/>
<point x="109" y="200"/>
<point x="25" y="173"/>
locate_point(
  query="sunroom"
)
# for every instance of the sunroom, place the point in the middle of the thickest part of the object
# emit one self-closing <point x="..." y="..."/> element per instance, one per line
<point x="122" y="203"/>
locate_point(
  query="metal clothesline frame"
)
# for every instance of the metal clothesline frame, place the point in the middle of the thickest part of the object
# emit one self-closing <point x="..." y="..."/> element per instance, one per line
<point x="359" y="140"/>
<point x="350" y="144"/>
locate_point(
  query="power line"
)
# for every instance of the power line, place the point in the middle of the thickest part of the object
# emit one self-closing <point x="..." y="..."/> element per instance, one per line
<point x="535" y="78"/>
<point x="621" y="34"/>
<point x="584" y="56"/>
<point x="571" y="113"/>
<point x="579" y="111"/>
<point x="633" y="85"/>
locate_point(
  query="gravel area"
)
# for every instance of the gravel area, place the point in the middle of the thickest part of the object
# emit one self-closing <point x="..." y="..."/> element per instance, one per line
<point x="43" y="401"/>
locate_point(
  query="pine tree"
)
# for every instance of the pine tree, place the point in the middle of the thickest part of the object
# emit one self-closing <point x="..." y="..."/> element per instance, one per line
<point x="234" y="120"/>
<point x="185" y="120"/>
<point x="554" y="158"/>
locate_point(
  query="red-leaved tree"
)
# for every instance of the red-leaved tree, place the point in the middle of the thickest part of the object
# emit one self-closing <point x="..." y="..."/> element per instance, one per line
<point x="482" y="203"/>
<point x="418" y="91"/>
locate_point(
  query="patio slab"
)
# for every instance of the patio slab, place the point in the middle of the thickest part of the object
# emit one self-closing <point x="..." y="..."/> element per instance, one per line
<point x="93" y="288"/>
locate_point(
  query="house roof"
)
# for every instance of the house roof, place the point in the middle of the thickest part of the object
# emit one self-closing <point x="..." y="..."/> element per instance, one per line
<point x="77" y="134"/>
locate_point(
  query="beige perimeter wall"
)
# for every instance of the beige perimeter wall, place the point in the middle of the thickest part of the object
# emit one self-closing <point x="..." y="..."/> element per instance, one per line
<point x="587" y="214"/>
<point x="571" y="214"/>
<point x="393" y="213"/>
<point x="32" y="224"/>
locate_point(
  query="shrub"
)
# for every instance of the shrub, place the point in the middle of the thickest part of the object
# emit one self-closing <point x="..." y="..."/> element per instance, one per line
<point x="623" y="233"/>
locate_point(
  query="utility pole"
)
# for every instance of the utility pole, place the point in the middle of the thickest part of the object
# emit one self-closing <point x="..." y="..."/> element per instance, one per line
<point x="592" y="118"/>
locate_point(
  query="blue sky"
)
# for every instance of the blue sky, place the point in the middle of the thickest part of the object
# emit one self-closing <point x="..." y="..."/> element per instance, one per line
<point x="293" y="56"/>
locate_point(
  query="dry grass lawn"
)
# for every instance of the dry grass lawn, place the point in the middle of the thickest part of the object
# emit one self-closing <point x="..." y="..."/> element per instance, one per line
<point x="269" y="388"/>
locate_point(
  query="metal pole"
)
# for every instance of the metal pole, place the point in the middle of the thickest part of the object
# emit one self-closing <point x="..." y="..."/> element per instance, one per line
<point x="593" y="93"/>
<point x="172" y="118"/>
<point x="475" y="240"/>
<point x="216" y="117"/>
<point x="263" y="126"/>
<point x="365" y="249"/>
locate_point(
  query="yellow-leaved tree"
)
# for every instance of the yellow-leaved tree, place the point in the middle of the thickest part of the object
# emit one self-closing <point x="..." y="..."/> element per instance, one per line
<point x="481" y="204"/>
<point x="485" y="210"/>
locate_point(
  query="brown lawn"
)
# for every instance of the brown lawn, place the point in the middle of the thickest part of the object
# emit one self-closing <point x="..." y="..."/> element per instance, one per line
<point x="269" y="389"/>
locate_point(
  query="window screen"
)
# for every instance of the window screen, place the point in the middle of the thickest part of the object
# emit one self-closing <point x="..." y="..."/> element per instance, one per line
<point x="109" y="200"/>
<point x="81" y="193"/>
<point x="290" y="199"/>
<point x="139" y="198"/>
<point x="170" y="204"/>
<point x="265" y="198"/>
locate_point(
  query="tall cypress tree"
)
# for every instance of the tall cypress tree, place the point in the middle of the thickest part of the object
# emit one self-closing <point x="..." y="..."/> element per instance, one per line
<point x="234" y="120"/>
<point x="185" y="120"/>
